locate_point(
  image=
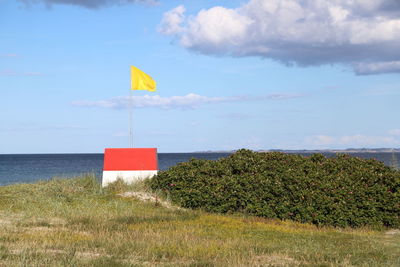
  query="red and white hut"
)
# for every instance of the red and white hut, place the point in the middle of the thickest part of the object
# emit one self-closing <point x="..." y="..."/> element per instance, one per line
<point x="129" y="164"/>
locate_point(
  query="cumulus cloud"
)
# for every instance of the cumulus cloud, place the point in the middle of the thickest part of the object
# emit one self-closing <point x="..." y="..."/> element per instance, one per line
<point x="172" y="20"/>
<point x="189" y="101"/>
<point x="364" y="34"/>
<point x="91" y="4"/>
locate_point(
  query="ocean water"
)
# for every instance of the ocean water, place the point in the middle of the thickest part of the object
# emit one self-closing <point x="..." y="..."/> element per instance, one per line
<point x="26" y="168"/>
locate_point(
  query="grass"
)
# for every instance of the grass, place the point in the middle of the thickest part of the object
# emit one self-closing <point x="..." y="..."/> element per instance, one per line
<point x="73" y="222"/>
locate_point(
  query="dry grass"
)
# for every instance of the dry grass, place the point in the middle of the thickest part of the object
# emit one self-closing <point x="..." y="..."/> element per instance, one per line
<point x="74" y="222"/>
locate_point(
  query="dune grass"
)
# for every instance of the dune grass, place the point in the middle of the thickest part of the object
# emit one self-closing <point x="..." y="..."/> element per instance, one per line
<point x="73" y="222"/>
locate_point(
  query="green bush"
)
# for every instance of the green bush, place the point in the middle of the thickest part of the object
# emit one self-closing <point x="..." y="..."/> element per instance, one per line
<point x="341" y="191"/>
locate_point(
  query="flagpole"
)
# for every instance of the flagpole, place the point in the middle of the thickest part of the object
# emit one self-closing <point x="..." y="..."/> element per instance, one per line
<point x="130" y="119"/>
<point x="139" y="81"/>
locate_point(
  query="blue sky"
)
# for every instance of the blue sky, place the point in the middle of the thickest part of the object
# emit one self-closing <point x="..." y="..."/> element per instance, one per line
<point x="257" y="74"/>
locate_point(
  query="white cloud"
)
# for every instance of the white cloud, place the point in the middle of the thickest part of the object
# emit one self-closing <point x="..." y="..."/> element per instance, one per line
<point x="188" y="101"/>
<point x="13" y="73"/>
<point x="184" y="102"/>
<point x="377" y="67"/>
<point x="321" y="140"/>
<point x="357" y="140"/>
<point x="172" y="20"/>
<point x="91" y="4"/>
<point x="364" y="34"/>
<point x="394" y="132"/>
<point x="278" y="96"/>
<point x="28" y="128"/>
<point x="9" y="55"/>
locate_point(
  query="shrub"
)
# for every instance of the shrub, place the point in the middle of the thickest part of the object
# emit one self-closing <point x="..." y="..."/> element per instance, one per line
<point x="340" y="191"/>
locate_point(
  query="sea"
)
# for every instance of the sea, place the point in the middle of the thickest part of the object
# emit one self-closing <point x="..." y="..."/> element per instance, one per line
<point x="28" y="168"/>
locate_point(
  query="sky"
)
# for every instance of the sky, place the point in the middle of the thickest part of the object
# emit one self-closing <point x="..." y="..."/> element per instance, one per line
<point x="256" y="74"/>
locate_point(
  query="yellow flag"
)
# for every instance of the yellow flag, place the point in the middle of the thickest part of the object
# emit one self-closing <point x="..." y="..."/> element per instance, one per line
<point x="141" y="80"/>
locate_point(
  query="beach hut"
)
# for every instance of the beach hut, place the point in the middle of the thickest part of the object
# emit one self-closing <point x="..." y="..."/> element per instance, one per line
<point x="129" y="164"/>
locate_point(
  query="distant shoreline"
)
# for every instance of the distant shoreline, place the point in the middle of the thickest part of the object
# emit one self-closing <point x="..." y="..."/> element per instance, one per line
<point x="347" y="150"/>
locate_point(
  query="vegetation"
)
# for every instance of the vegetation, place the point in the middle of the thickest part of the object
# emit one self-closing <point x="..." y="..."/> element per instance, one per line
<point x="393" y="162"/>
<point x="341" y="191"/>
<point x="73" y="222"/>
